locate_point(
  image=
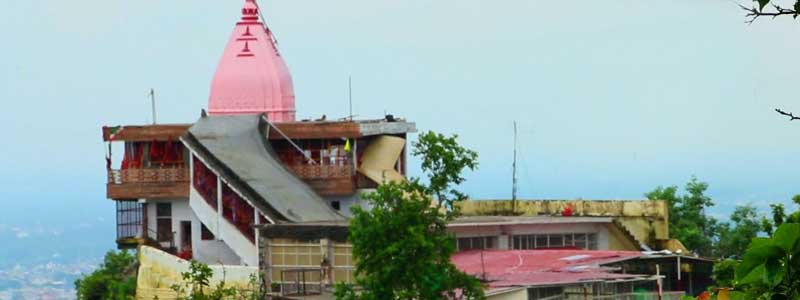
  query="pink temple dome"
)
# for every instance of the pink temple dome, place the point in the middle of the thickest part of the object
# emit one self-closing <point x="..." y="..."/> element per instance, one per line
<point x="252" y="77"/>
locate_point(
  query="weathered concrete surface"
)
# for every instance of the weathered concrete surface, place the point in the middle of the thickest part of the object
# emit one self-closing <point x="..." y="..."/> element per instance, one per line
<point x="159" y="270"/>
<point x="646" y="220"/>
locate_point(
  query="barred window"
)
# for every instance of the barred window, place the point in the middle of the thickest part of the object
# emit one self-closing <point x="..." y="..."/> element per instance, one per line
<point x="205" y="182"/>
<point x="479" y="242"/>
<point x="562" y="240"/>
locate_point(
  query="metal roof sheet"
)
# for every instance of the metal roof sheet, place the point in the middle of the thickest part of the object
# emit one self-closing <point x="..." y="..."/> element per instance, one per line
<point x="505" y="268"/>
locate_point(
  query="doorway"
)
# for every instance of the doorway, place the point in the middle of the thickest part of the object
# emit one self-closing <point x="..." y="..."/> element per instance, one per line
<point x="186" y="235"/>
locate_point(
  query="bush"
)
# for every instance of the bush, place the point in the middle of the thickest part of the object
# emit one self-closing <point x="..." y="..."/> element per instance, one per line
<point x="197" y="286"/>
<point x="115" y="279"/>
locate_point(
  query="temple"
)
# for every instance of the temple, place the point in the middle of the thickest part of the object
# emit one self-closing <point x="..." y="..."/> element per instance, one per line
<point x="249" y="189"/>
<point x="252" y="77"/>
<point x="197" y="190"/>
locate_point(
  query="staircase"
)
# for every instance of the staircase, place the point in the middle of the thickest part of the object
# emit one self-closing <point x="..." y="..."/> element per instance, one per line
<point x="625" y="231"/>
<point x="223" y="230"/>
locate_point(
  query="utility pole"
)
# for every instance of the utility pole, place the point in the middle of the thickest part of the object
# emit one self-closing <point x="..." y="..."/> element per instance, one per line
<point x="514" y="174"/>
<point x="153" y="104"/>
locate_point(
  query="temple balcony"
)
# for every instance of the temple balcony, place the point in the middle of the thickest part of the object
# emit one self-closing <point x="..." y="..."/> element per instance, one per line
<point x="327" y="180"/>
<point x="167" y="182"/>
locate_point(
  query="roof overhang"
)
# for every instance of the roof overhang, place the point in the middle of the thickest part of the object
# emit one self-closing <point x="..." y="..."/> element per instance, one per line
<point x="472" y="221"/>
<point x="293" y="130"/>
<point x="144" y="133"/>
<point x="335" y="230"/>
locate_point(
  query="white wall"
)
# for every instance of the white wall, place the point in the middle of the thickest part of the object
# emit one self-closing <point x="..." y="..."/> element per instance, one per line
<point x="204" y="212"/>
<point x="230" y="235"/>
<point x="180" y="212"/>
<point x="212" y="252"/>
<point x="346" y="202"/>
<point x="242" y="251"/>
<point x="511" y="294"/>
<point x="522" y="229"/>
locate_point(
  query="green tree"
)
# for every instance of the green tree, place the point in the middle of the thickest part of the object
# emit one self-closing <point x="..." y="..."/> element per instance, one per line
<point x="770" y="268"/>
<point x="115" y="279"/>
<point x="795" y="216"/>
<point x="733" y="241"/>
<point x="196" y="285"/>
<point x="401" y="245"/>
<point x="779" y="216"/>
<point x="723" y="273"/>
<point x="687" y="215"/>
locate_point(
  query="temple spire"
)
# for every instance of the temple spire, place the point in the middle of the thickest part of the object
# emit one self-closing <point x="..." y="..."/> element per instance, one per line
<point x="252" y="77"/>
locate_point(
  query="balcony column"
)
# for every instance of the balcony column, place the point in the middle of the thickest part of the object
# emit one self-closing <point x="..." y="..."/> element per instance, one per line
<point x="354" y="163"/>
<point x="257" y="221"/>
<point x="219" y="208"/>
<point x="145" y="234"/>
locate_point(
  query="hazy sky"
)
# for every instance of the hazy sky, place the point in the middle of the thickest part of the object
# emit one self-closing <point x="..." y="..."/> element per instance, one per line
<point x="612" y="98"/>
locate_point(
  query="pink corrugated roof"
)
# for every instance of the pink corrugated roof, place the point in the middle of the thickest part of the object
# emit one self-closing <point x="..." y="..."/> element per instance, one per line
<point x="505" y="268"/>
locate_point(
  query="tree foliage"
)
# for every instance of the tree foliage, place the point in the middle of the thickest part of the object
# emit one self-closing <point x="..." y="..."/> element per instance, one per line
<point x="770" y="268"/>
<point x="115" y="279"/>
<point x="443" y="161"/>
<point x="733" y="240"/>
<point x="196" y="285"/>
<point x="723" y="273"/>
<point x="688" y="221"/>
<point x="401" y="245"/>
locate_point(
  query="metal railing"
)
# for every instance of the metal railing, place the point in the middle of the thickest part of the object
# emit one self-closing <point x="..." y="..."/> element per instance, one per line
<point x="319" y="171"/>
<point x="149" y="175"/>
<point x="301" y="281"/>
<point x="625" y="296"/>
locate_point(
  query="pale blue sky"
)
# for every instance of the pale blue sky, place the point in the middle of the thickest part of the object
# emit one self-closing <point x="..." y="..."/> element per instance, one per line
<point x="612" y="98"/>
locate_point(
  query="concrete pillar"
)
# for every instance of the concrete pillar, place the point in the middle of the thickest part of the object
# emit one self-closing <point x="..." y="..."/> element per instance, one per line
<point x="327" y="250"/>
<point x="503" y="242"/>
<point x="219" y="208"/>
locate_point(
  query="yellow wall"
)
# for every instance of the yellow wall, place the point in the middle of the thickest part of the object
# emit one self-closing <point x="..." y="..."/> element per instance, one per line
<point x="520" y="294"/>
<point x="159" y="270"/>
<point x="617" y="240"/>
<point x="647" y="221"/>
<point x="290" y="254"/>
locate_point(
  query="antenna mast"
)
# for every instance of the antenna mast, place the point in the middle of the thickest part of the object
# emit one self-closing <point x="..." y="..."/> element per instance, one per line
<point x="153" y="104"/>
<point x="514" y="173"/>
<point x="350" y="94"/>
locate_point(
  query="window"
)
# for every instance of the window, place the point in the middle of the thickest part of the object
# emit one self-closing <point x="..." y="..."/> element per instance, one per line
<point x="238" y="212"/>
<point x="556" y="241"/>
<point x="336" y="205"/>
<point x="561" y="240"/>
<point x="545" y="293"/>
<point x="541" y="242"/>
<point x="592" y="241"/>
<point x="164" y="222"/>
<point x="130" y="217"/>
<point x="480" y="242"/>
<point x="205" y="234"/>
<point x="205" y="182"/>
<point x="579" y="240"/>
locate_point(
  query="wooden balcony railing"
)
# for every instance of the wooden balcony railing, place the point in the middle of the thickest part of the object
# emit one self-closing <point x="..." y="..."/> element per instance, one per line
<point x="307" y="171"/>
<point x="149" y="183"/>
<point x="149" y="175"/>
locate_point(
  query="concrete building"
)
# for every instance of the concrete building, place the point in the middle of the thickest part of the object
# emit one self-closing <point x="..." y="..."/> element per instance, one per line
<point x="247" y="186"/>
